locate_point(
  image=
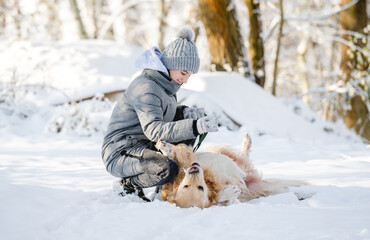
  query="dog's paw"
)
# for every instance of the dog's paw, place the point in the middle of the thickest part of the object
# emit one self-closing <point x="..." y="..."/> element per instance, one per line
<point x="247" y="143"/>
<point x="229" y="194"/>
<point x="165" y="147"/>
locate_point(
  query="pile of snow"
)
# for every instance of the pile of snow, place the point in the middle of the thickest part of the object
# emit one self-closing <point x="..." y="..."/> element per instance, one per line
<point x="257" y="110"/>
<point x="53" y="184"/>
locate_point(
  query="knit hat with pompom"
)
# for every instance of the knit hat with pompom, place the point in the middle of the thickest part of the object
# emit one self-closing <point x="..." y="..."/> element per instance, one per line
<point x="182" y="54"/>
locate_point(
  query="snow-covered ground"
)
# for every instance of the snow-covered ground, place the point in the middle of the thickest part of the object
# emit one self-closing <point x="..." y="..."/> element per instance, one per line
<point x="54" y="185"/>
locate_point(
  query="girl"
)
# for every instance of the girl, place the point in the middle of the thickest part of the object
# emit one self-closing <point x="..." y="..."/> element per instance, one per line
<point x="148" y="112"/>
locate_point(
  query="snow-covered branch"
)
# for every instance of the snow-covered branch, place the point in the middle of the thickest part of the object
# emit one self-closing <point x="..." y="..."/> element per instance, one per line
<point x="352" y="33"/>
<point x="116" y="14"/>
<point x="351" y="45"/>
<point x="339" y="87"/>
<point x="322" y="17"/>
<point x="311" y="18"/>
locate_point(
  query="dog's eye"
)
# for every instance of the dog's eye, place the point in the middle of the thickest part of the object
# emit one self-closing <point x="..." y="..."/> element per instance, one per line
<point x="200" y="188"/>
<point x="186" y="186"/>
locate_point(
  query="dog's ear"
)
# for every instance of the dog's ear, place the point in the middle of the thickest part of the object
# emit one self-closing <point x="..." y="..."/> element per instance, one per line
<point x="209" y="204"/>
<point x="164" y="195"/>
<point x="172" y="200"/>
<point x="171" y="153"/>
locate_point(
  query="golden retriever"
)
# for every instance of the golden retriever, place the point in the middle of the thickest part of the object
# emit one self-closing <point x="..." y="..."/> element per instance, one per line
<point x="220" y="175"/>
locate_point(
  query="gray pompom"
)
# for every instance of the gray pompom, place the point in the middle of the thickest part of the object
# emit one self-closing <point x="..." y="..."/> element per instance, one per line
<point x="186" y="33"/>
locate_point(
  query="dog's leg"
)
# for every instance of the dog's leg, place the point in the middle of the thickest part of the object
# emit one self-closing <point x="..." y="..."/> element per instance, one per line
<point x="242" y="158"/>
<point x="229" y="194"/>
<point x="166" y="148"/>
<point x="246" y="145"/>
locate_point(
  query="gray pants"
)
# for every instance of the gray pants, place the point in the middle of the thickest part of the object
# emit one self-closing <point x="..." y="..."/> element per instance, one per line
<point x="150" y="169"/>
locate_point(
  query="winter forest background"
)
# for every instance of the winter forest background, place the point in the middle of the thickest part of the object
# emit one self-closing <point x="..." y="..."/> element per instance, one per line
<point x="316" y="51"/>
<point x="293" y="74"/>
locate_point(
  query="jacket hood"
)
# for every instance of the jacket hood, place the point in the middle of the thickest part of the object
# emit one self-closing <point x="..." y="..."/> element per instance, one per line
<point x="151" y="59"/>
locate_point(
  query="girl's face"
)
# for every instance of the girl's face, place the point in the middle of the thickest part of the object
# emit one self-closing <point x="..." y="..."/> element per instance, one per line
<point x="180" y="76"/>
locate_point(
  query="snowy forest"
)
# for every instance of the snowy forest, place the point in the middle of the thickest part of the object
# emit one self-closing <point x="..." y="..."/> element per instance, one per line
<point x="316" y="51"/>
<point x="294" y="75"/>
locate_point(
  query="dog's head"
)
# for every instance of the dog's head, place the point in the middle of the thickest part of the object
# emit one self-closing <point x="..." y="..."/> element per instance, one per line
<point x="192" y="191"/>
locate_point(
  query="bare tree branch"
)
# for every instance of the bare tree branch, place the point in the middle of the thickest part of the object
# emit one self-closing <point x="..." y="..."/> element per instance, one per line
<point x="313" y="18"/>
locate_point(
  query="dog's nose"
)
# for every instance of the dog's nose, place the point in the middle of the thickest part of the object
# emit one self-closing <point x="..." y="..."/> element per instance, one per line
<point x="195" y="164"/>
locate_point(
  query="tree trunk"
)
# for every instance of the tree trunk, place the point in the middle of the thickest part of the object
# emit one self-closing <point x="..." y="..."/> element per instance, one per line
<point x="358" y="117"/>
<point x="131" y="21"/>
<point x="353" y="62"/>
<point x="77" y="15"/>
<point x="94" y="7"/>
<point x="194" y="20"/>
<point x="17" y="20"/>
<point x="353" y="19"/>
<point x="54" y="24"/>
<point x="223" y="34"/>
<point x="276" y="64"/>
<point x="256" y="49"/>
<point x="3" y="17"/>
<point x="303" y="75"/>
<point x="163" y="11"/>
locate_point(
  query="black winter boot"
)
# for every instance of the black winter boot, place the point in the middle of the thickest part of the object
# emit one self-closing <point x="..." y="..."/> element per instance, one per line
<point x="124" y="186"/>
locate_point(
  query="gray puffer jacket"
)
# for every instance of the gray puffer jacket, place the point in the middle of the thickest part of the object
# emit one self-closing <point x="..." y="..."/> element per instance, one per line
<point x="146" y="114"/>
